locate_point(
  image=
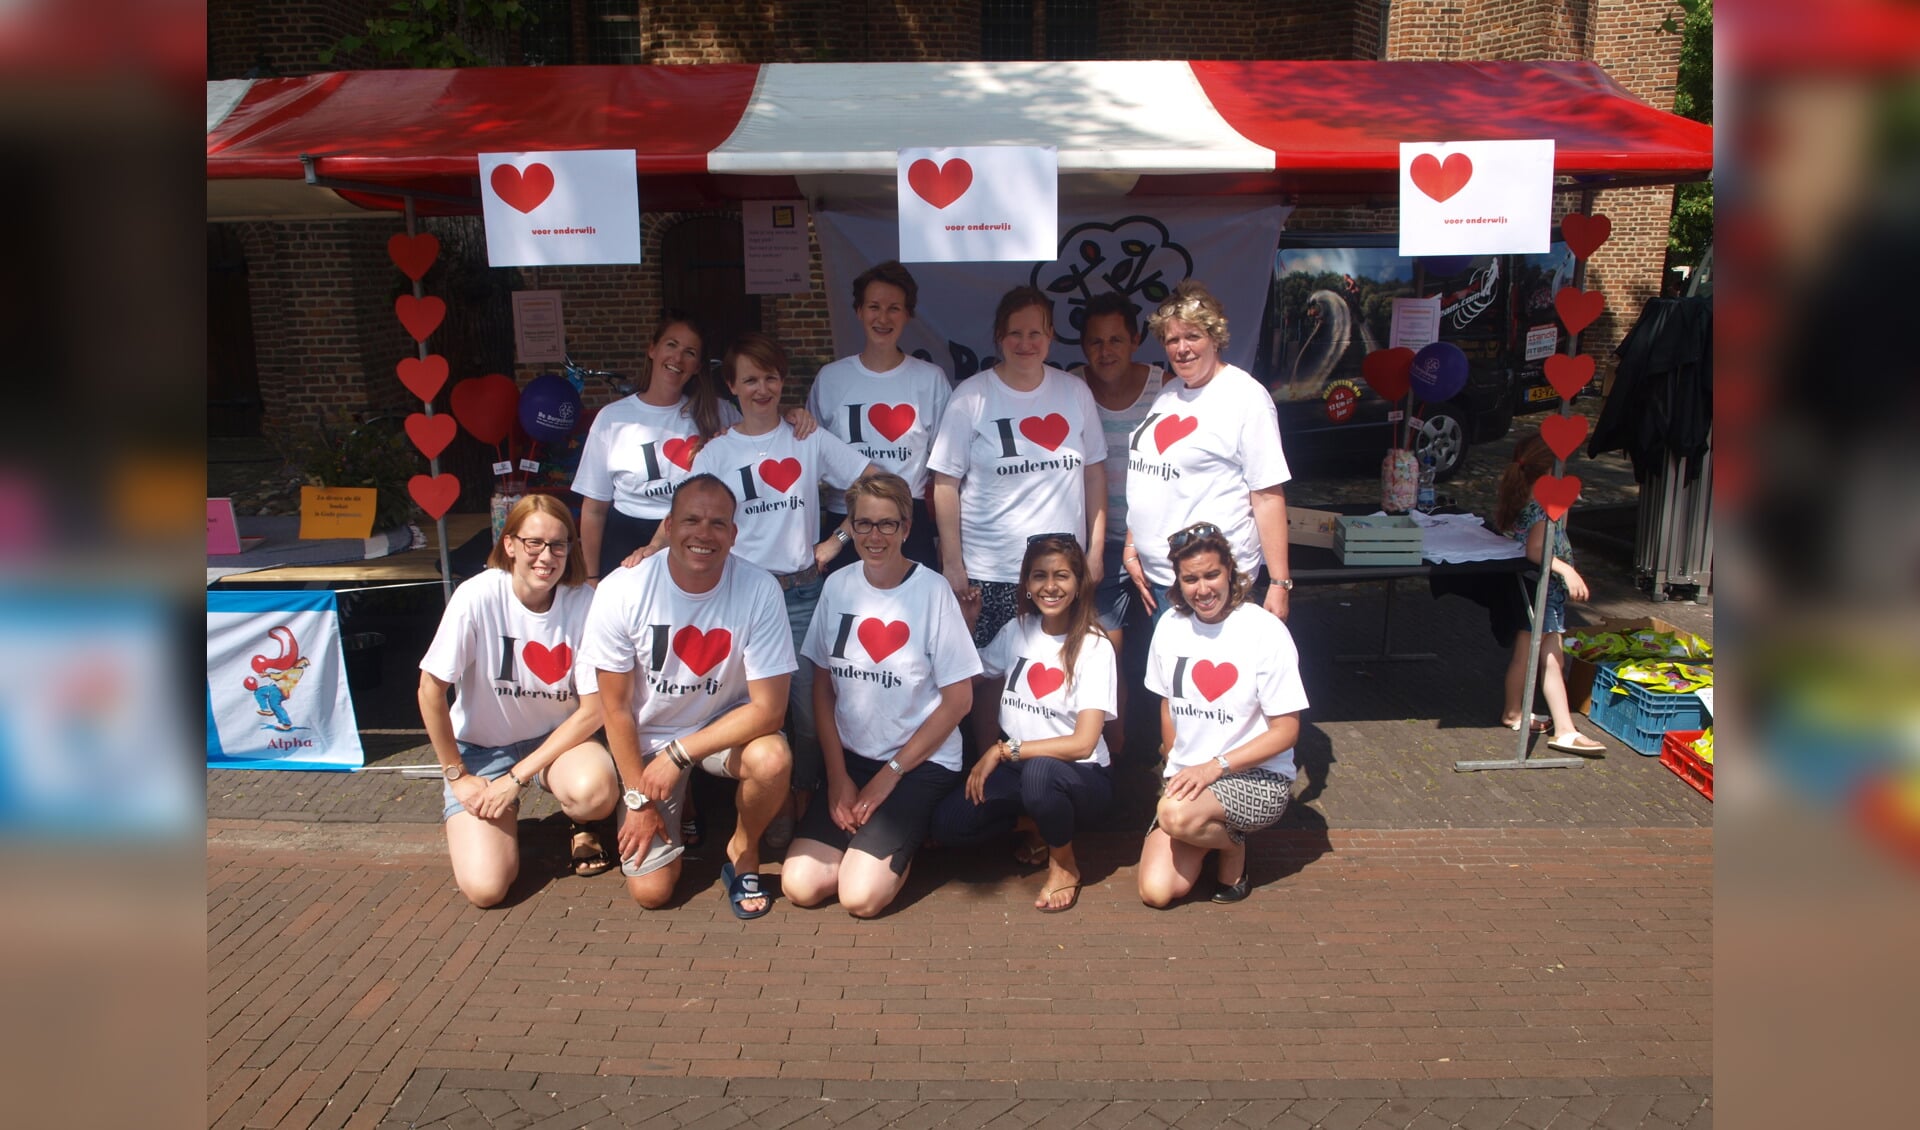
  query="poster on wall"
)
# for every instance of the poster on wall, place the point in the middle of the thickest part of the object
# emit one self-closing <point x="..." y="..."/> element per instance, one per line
<point x="1141" y="249"/>
<point x="1476" y="197"/>
<point x="539" y="330"/>
<point x="979" y="204"/>
<point x="556" y="209"/>
<point x="277" y="683"/>
<point x="773" y="240"/>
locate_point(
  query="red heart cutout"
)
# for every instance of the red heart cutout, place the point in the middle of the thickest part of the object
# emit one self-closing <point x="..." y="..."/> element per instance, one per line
<point x="1555" y="494"/>
<point x="1563" y="434"/>
<point x="552" y="666"/>
<point x="1440" y="179"/>
<point x="522" y="189"/>
<point x="780" y="473"/>
<point x="680" y="452"/>
<point x="940" y="185"/>
<point x="1049" y="431"/>
<point x="413" y="254"/>
<point x="1578" y="308"/>
<point x="1214" y="681"/>
<point x="435" y="494"/>
<point x="702" y="651"/>
<point x="423" y="376"/>
<point x="1389" y="372"/>
<point x="1172" y="430"/>
<point x="421" y="316"/>
<point x="431" y="434"/>
<point x="1584" y="234"/>
<point x="485" y="406"/>
<point x="891" y="420"/>
<point x="1568" y="374"/>
<point x="1043" y="680"/>
<point x="882" y="638"/>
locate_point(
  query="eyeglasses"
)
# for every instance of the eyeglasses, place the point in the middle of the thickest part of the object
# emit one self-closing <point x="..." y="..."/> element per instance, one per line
<point x="536" y="545"/>
<point x="1181" y="539"/>
<point x="888" y="526"/>
<point x="1042" y="537"/>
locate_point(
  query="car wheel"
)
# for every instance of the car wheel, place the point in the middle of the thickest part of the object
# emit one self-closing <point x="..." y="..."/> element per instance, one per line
<point x="1443" y="435"/>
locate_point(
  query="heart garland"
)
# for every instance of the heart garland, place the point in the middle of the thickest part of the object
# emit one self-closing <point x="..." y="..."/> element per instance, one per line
<point x="1556" y="494"/>
<point x="1568" y="374"/>
<point x="1563" y="434"/>
<point x="431" y="434"/>
<point x="413" y="254"/>
<point x="1578" y="308"/>
<point x="435" y="494"/>
<point x="1584" y="234"/>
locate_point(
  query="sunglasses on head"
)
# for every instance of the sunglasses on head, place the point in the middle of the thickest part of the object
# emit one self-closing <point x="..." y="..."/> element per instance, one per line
<point x="1181" y="539"/>
<point x="1043" y="537"/>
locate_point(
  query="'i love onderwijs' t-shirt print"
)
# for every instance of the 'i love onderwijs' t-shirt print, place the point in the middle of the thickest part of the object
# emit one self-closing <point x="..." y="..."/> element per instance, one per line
<point x="697" y="653"/>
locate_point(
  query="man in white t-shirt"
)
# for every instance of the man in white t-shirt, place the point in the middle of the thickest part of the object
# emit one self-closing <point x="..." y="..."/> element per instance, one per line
<point x="694" y="657"/>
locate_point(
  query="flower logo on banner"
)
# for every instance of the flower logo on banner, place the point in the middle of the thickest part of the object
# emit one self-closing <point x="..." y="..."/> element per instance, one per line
<point x="1136" y="257"/>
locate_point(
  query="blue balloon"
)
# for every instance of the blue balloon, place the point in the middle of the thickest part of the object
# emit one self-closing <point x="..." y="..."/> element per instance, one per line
<point x="550" y="408"/>
<point x="1439" y="372"/>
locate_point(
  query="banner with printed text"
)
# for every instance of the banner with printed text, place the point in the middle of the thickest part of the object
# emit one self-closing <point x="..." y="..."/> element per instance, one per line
<point x="277" y="683"/>
<point x="1139" y="248"/>
<point x="979" y="203"/>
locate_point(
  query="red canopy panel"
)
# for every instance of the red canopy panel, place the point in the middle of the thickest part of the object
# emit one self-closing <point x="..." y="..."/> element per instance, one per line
<point x="1336" y="122"/>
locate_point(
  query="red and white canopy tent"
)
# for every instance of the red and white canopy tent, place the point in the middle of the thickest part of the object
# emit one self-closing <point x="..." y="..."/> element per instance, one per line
<point x="357" y="142"/>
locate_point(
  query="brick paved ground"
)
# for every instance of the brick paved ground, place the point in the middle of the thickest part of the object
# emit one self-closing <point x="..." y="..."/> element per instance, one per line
<point x="1423" y="949"/>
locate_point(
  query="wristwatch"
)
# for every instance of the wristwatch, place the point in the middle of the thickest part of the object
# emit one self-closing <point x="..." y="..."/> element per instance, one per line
<point x="1221" y="760"/>
<point x="893" y="763"/>
<point x="1013" y="749"/>
<point x="634" y="799"/>
<point x="1285" y="583"/>
<point x="453" y="772"/>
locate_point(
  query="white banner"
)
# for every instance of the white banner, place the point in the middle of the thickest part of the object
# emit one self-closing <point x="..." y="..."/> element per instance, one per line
<point x="978" y="204"/>
<point x="277" y="683"/>
<point x="1140" y="248"/>
<point x="1476" y="197"/>
<point x="555" y="209"/>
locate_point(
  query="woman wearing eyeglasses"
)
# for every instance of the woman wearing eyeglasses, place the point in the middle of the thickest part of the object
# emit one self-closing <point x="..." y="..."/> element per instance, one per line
<point x="1229" y="680"/>
<point x="895" y="678"/>
<point x="1210" y="446"/>
<point x="526" y="714"/>
<point x="1048" y="776"/>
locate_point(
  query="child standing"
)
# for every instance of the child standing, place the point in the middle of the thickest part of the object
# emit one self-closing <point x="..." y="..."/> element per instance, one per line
<point x="1516" y="513"/>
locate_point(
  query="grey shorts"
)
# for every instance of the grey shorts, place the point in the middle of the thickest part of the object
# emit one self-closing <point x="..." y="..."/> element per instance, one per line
<point x="1253" y="799"/>
<point x="660" y="852"/>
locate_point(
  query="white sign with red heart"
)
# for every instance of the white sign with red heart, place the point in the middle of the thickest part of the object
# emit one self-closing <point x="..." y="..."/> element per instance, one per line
<point x="979" y="204"/>
<point x="553" y="209"/>
<point x="1476" y="197"/>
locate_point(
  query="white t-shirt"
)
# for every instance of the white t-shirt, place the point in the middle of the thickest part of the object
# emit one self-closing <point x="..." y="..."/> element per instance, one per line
<point x="1020" y="457"/>
<point x="775" y="479"/>
<point x="637" y="452"/>
<point x="1039" y="700"/>
<point x="698" y="650"/>
<point x="1118" y="427"/>
<point x="889" y="652"/>
<point x="1223" y="681"/>
<point x="518" y="672"/>
<point x="1196" y="458"/>
<point x="890" y="417"/>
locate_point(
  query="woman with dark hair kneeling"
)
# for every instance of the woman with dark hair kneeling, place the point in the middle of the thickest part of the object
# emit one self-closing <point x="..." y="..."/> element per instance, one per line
<point x="896" y="677"/>
<point x="1048" y="775"/>
<point x="1229" y="680"/>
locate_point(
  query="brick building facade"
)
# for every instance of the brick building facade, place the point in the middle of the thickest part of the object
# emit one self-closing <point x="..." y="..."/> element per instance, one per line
<point x="320" y="294"/>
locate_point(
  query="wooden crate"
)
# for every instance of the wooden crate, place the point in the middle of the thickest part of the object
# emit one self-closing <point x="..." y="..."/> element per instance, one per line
<point x="1378" y="540"/>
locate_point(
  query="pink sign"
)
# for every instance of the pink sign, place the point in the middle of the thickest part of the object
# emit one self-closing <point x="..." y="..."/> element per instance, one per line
<point x="223" y="535"/>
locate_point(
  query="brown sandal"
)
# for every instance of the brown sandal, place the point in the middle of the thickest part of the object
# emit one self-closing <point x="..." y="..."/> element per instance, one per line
<point x="589" y="856"/>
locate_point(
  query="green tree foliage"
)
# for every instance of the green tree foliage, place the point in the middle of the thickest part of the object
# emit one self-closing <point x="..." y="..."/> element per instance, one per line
<point x="433" y="33"/>
<point x="1691" y="230"/>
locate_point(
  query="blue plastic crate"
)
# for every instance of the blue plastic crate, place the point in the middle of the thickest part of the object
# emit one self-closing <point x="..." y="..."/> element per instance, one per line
<point x="1641" y="717"/>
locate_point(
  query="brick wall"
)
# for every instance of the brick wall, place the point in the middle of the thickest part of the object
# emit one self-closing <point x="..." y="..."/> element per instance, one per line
<point x="286" y="36"/>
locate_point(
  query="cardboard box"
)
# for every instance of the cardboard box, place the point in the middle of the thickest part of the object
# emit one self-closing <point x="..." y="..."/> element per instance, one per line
<point x="1383" y="540"/>
<point x="1311" y="527"/>
<point x="1581" y="672"/>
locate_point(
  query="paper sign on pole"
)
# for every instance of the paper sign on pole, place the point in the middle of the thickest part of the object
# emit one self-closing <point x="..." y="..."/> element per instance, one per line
<point x="1476" y="197"/>
<point x="553" y="209"/>
<point x="979" y="204"/>
<point x="774" y="239"/>
<point x="1416" y="323"/>
<point x="539" y="331"/>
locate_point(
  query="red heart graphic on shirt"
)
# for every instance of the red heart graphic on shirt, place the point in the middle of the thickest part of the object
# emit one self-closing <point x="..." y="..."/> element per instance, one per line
<point x="423" y="376"/>
<point x="940" y="185"/>
<point x="1440" y="179"/>
<point x="1563" y="434"/>
<point x="432" y="434"/>
<point x="522" y="189"/>
<point x="702" y="651"/>
<point x="1569" y="374"/>
<point x="421" y="316"/>
<point x="1555" y="494"/>
<point x="551" y="665"/>
<point x="1048" y="431"/>
<point x="1172" y="430"/>
<point x="1578" y="308"/>
<point x="891" y="420"/>
<point x="1214" y="681"/>
<point x="1584" y="234"/>
<point x="680" y="451"/>
<point x="1043" y="680"/>
<point x="780" y="473"/>
<point x="413" y="254"/>
<point x="882" y="638"/>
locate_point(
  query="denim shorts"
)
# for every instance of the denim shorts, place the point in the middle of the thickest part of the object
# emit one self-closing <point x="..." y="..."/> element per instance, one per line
<point x="489" y="762"/>
<point x="1115" y="593"/>
<point x="1556" y="618"/>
